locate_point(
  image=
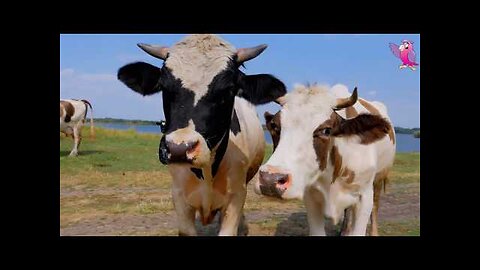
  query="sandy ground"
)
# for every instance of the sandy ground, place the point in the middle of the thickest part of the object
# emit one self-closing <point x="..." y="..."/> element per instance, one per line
<point x="400" y="209"/>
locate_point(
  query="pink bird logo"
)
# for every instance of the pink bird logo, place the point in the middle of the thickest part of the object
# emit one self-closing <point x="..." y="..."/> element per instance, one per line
<point x="405" y="53"/>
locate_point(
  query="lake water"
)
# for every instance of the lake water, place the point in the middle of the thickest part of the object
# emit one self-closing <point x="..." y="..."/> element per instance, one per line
<point x="405" y="142"/>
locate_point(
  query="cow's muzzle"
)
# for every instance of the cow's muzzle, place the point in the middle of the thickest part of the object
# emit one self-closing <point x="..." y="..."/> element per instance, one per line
<point x="273" y="184"/>
<point x="184" y="152"/>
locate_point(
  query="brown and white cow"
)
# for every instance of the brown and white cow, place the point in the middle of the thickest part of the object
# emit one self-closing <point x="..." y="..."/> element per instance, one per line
<point x="72" y="117"/>
<point x="328" y="161"/>
<point x="274" y="127"/>
<point x="213" y="141"/>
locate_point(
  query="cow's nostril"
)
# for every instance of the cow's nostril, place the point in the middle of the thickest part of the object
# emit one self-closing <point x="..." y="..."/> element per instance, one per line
<point x="282" y="181"/>
<point x="183" y="152"/>
<point x="191" y="146"/>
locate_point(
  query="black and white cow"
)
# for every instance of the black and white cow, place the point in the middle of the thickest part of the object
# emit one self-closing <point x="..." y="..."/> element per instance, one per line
<point x="213" y="141"/>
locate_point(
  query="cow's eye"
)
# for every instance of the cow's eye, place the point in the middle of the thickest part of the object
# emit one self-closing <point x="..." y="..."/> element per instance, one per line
<point x="322" y="132"/>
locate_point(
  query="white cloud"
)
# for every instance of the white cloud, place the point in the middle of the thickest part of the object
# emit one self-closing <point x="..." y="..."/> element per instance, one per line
<point x="74" y="84"/>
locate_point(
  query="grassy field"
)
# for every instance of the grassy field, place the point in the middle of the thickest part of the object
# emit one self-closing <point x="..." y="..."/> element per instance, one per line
<point x="117" y="186"/>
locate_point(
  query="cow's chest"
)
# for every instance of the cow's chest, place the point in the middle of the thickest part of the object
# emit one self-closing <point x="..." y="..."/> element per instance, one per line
<point x="201" y="193"/>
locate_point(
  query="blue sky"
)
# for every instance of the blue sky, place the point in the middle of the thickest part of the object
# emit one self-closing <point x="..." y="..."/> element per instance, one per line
<point x="89" y="64"/>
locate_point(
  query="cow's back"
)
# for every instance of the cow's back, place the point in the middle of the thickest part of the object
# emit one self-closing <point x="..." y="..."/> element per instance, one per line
<point x="73" y="112"/>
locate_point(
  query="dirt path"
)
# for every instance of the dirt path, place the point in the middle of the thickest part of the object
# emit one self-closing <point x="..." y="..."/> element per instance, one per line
<point x="400" y="204"/>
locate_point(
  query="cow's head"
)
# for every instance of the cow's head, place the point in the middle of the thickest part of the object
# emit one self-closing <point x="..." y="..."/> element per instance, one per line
<point x="311" y="139"/>
<point x="199" y="80"/>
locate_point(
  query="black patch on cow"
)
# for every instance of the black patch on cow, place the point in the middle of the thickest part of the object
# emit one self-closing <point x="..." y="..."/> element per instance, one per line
<point x="140" y="77"/>
<point x="198" y="173"/>
<point x="219" y="154"/>
<point x="162" y="151"/>
<point x="212" y="113"/>
<point x="235" y="126"/>
<point x="260" y="88"/>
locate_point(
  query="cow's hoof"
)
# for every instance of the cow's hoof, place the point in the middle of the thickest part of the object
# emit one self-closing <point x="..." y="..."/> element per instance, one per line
<point x="73" y="154"/>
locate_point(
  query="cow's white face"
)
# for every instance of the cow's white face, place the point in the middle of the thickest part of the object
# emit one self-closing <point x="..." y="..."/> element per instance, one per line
<point x="295" y="156"/>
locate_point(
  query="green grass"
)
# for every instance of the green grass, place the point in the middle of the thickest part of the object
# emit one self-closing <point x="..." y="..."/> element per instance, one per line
<point x="111" y="151"/>
<point x="118" y="174"/>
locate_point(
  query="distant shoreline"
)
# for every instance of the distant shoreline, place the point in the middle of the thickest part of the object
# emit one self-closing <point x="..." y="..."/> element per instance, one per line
<point x="399" y="130"/>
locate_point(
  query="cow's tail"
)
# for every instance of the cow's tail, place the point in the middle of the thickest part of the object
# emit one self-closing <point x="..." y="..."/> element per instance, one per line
<point x="92" y="129"/>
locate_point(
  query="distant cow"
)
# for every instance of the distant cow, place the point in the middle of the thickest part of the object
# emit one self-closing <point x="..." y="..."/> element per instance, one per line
<point x="213" y="141"/>
<point x="274" y="127"/>
<point x="329" y="161"/>
<point x="72" y="117"/>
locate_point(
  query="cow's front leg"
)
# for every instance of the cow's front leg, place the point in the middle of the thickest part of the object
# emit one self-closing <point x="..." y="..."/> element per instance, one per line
<point x="362" y="211"/>
<point x="185" y="214"/>
<point x="315" y="216"/>
<point x="233" y="212"/>
<point x="77" y="139"/>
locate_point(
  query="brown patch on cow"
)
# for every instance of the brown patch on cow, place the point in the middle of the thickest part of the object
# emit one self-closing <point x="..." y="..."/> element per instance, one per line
<point x="69" y="109"/>
<point x="336" y="160"/>
<point x="351" y="112"/>
<point x="321" y="146"/>
<point x="321" y="142"/>
<point x="369" y="107"/>
<point x="274" y="126"/>
<point x="370" y="128"/>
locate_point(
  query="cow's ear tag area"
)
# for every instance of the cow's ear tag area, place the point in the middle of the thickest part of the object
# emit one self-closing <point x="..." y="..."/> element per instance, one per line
<point x="162" y="124"/>
<point x="198" y="173"/>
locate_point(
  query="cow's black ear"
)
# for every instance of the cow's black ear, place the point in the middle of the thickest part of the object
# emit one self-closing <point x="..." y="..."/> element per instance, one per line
<point x="140" y="77"/>
<point x="260" y="88"/>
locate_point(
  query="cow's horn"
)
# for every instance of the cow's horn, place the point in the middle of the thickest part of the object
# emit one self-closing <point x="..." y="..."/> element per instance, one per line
<point x="346" y="102"/>
<point x="246" y="54"/>
<point x="155" y="51"/>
